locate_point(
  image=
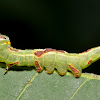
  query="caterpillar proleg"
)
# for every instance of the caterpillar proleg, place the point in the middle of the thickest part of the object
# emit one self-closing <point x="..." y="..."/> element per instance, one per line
<point x="49" y="58"/>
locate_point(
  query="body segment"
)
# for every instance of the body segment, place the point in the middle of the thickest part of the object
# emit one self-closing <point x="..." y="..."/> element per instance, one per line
<point x="49" y="58"/>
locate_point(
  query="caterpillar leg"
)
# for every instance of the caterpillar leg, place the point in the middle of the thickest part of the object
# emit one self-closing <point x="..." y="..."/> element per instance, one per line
<point x="38" y="67"/>
<point x="9" y="65"/>
<point x="76" y="71"/>
<point x="49" y="69"/>
<point x="61" y="70"/>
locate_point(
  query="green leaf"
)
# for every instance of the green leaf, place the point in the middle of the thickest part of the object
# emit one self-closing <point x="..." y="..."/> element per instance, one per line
<point x="30" y="85"/>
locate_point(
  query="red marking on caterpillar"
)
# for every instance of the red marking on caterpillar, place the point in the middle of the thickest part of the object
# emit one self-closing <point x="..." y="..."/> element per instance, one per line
<point x="8" y="42"/>
<point x="62" y="51"/>
<point x="13" y="49"/>
<point x="1" y="37"/>
<point x="40" y="53"/>
<point x="13" y="64"/>
<point x="38" y="66"/>
<point x="86" y="51"/>
<point x="89" y="61"/>
<point x="48" y="50"/>
<point x="73" y="69"/>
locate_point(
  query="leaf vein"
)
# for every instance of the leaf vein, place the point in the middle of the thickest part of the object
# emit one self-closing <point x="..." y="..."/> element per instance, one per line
<point x="78" y="89"/>
<point x="26" y="86"/>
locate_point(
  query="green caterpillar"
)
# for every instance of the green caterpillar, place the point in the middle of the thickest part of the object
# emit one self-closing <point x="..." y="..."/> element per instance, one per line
<point x="48" y="58"/>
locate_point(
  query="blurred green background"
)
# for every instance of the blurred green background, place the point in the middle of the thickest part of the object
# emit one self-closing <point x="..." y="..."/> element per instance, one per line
<point x="70" y="25"/>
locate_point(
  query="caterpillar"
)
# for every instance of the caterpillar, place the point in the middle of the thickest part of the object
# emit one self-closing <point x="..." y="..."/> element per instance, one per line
<point x="48" y="58"/>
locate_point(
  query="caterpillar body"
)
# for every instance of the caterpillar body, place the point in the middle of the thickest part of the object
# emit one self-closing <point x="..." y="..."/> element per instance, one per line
<point x="49" y="58"/>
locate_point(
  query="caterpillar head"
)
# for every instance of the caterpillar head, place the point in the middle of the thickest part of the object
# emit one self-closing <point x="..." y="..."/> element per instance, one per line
<point x="4" y="42"/>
